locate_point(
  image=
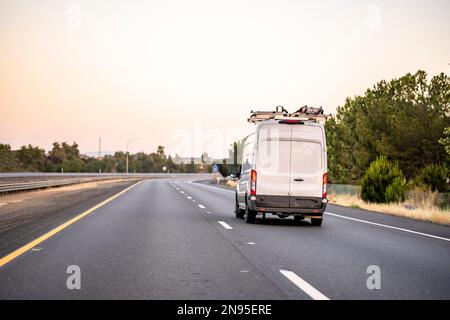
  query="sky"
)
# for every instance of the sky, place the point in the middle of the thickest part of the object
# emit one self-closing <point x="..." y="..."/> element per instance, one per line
<point x="186" y="74"/>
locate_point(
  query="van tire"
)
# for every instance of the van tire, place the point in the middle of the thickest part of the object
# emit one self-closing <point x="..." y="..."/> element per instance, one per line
<point x="316" y="222"/>
<point x="239" y="212"/>
<point x="250" y="215"/>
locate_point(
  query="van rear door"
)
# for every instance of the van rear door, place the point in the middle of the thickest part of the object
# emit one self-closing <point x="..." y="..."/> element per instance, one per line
<point x="273" y="165"/>
<point x="307" y="166"/>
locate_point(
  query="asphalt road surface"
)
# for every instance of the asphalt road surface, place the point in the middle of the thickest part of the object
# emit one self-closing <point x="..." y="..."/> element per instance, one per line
<point x="176" y="239"/>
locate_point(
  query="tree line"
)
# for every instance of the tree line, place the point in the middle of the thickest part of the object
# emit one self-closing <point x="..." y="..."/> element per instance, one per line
<point x="65" y="157"/>
<point x="405" y="121"/>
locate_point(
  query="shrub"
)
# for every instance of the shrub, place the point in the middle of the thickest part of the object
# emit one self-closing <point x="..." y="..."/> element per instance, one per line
<point x="395" y="192"/>
<point x="434" y="178"/>
<point x="225" y="169"/>
<point x="383" y="182"/>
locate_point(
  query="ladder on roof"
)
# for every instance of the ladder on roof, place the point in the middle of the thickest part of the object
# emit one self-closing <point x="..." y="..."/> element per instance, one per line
<point x="304" y="114"/>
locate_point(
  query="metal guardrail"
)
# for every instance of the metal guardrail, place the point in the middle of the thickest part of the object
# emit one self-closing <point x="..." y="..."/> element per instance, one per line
<point x="340" y="189"/>
<point x="75" y="179"/>
<point x="22" y="186"/>
<point x="92" y="174"/>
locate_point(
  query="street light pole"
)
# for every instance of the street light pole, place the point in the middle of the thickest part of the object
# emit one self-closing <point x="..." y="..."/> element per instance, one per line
<point x="128" y="142"/>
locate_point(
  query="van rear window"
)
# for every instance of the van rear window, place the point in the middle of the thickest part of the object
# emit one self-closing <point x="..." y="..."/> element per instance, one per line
<point x="274" y="156"/>
<point x="307" y="132"/>
<point x="306" y="157"/>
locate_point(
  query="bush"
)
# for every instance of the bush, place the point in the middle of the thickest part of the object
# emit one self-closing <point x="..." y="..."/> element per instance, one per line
<point x="383" y="182"/>
<point x="434" y="178"/>
<point x="225" y="169"/>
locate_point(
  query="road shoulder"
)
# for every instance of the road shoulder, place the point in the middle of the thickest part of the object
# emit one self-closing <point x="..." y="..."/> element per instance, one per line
<point x="26" y="216"/>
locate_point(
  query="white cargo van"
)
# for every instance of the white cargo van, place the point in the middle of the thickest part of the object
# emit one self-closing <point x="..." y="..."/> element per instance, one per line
<point x="284" y="168"/>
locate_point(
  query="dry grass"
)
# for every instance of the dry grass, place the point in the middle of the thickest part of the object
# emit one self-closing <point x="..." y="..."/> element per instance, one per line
<point x="216" y="177"/>
<point x="419" y="209"/>
<point x="231" y="184"/>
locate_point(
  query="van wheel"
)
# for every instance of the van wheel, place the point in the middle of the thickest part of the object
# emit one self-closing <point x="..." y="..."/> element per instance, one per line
<point x="316" y="222"/>
<point x="250" y="215"/>
<point x="298" y="218"/>
<point x="239" y="212"/>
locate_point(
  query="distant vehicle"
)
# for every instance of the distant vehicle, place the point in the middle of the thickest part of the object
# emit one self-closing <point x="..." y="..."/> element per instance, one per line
<point x="215" y="168"/>
<point x="284" y="167"/>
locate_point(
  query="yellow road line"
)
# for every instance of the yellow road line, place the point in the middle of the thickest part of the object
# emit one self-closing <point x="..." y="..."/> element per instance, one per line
<point x="32" y="244"/>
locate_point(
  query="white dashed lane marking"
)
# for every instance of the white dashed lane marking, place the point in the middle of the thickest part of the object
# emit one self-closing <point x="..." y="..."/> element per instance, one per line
<point x="304" y="286"/>
<point x="225" y="225"/>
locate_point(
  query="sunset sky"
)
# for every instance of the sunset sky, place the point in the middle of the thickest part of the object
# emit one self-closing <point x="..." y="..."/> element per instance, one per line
<point x="185" y="74"/>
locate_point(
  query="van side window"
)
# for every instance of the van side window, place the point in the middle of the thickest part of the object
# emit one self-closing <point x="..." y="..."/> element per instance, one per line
<point x="247" y="158"/>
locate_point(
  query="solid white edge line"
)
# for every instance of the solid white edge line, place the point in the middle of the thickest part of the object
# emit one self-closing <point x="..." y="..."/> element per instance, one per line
<point x="387" y="226"/>
<point x="304" y="286"/>
<point x="225" y="225"/>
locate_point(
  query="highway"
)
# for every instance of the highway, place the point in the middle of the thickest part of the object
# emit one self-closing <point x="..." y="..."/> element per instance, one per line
<point x="179" y="239"/>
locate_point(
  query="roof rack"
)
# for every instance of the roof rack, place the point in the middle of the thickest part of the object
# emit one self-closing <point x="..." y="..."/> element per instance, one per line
<point x="305" y="113"/>
<point x="257" y="116"/>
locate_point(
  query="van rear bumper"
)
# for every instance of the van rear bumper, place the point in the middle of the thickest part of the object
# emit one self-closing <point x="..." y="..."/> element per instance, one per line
<point x="288" y="206"/>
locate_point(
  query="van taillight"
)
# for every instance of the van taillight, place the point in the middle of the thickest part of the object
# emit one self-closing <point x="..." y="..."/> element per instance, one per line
<point x="324" y="185"/>
<point x="253" y="183"/>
